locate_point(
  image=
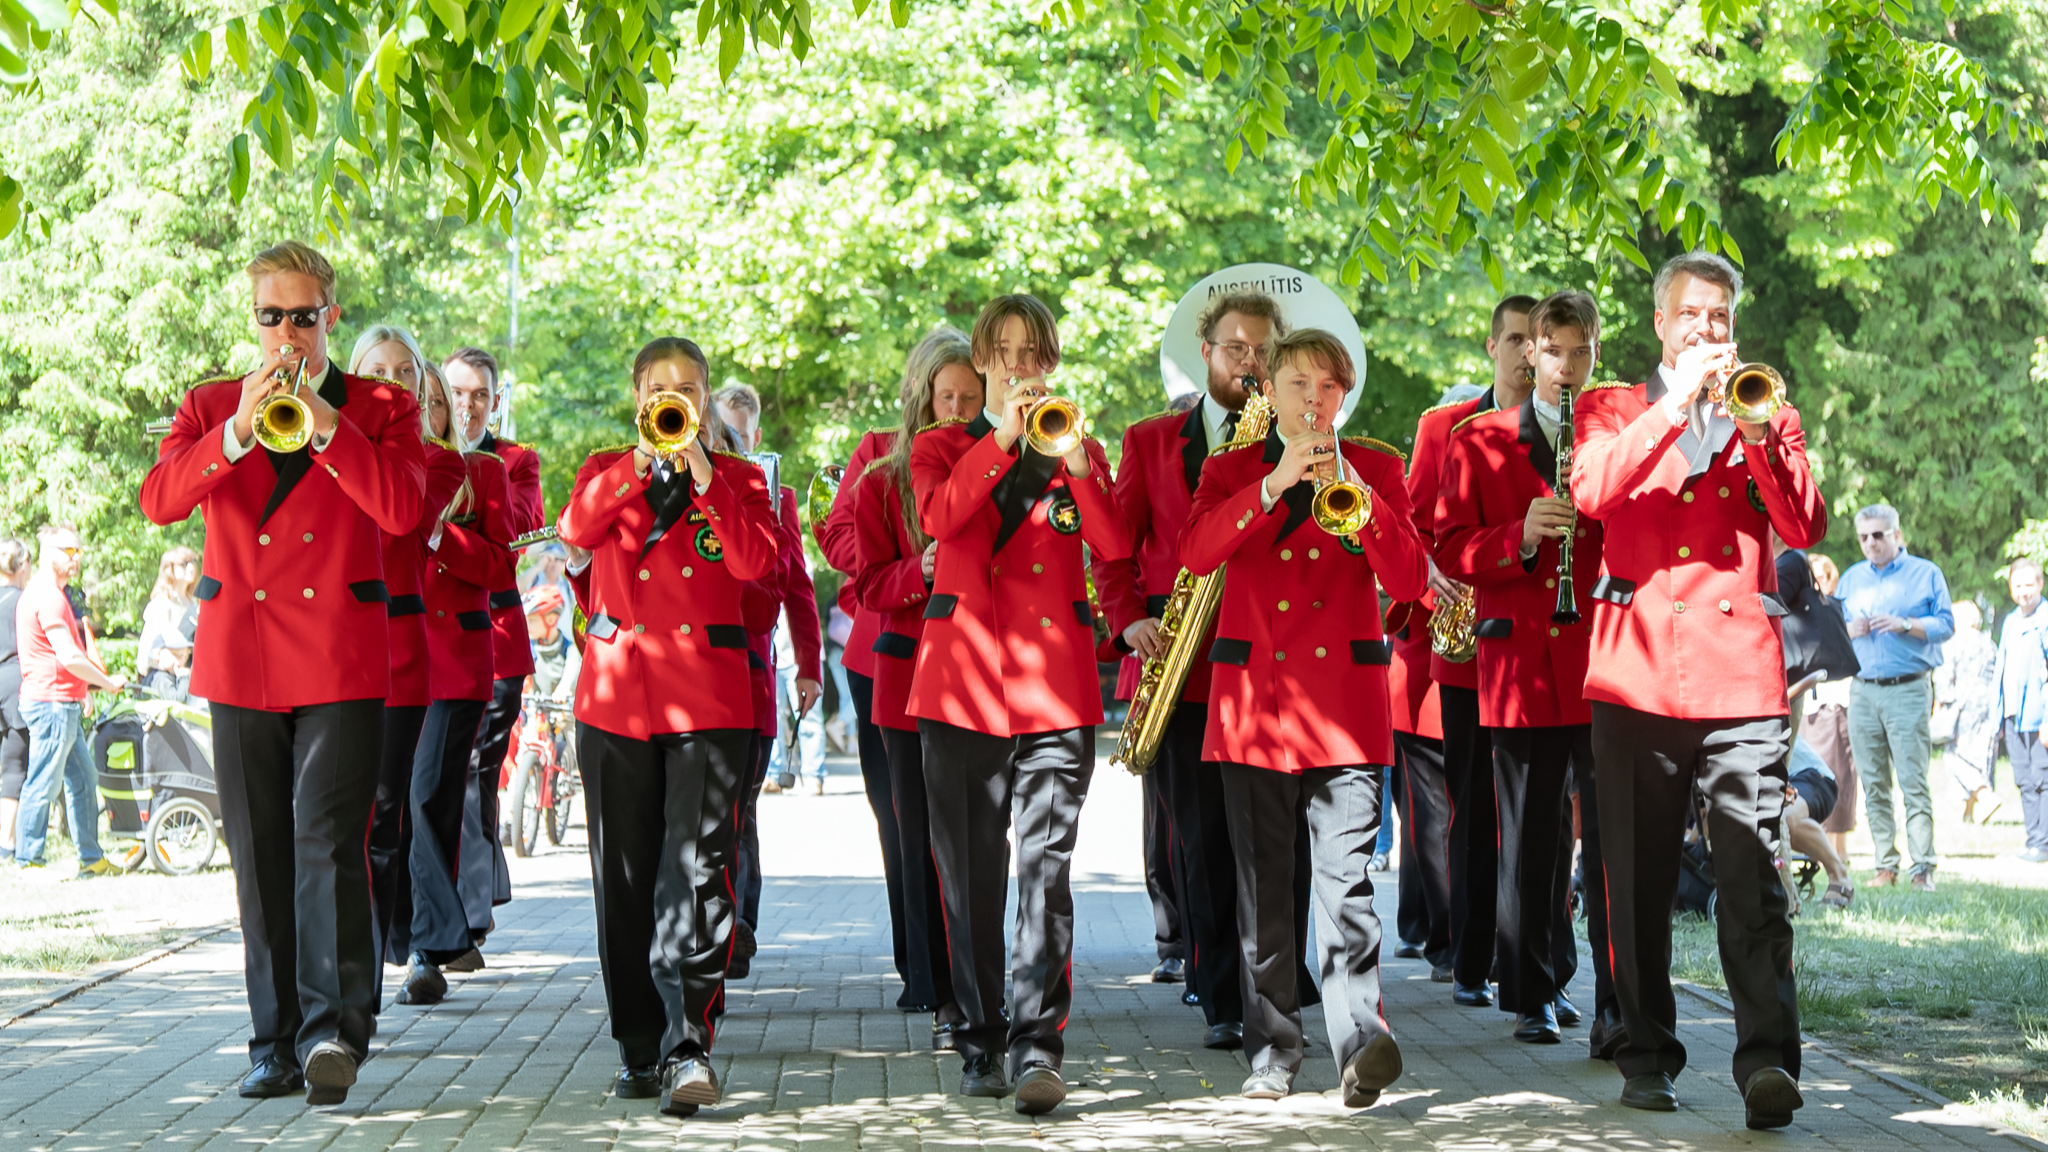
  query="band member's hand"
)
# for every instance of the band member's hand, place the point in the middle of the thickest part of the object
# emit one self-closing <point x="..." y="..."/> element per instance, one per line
<point x="256" y="386"/>
<point x="1546" y="520"/>
<point x="1143" y="638"/>
<point x="1076" y="459"/>
<point x="807" y="694"/>
<point x="1299" y="459"/>
<point x="698" y="459"/>
<point x="324" y="415"/>
<point x="1447" y="590"/>
<point x="1700" y="368"/>
<point x="929" y="560"/>
<point x="1018" y="399"/>
<point x="578" y="557"/>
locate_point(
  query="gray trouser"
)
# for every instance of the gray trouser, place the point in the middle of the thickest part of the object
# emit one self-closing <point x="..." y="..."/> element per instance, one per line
<point x="1888" y="732"/>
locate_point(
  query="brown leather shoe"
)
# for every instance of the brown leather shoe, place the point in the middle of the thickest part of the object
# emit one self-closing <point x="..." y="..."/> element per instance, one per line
<point x="1923" y="881"/>
<point x="1885" y="878"/>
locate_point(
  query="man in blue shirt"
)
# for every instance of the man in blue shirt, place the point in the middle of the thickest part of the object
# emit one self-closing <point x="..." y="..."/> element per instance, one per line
<point x="1897" y="607"/>
<point x="2023" y="702"/>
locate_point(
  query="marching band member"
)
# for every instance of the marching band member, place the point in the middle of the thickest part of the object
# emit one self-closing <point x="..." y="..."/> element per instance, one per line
<point x="1499" y="523"/>
<point x="292" y="653"/>
<point x="892" y="584"/>
<point x="466" y="558"/>
<point x="1468" y="845"/>
<point x="390" y="353"/>
<point x="1299" y="717"/>
<point x="473" y="378"/>
<point x="1687" y="680"/>
<point x="663" y="724"/>
<point x="1156" y="479"/>
<point x="1005" y="695"/>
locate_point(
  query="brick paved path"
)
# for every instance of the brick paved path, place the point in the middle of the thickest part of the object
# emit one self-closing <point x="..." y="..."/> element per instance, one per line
<point x="814" y="1056"/>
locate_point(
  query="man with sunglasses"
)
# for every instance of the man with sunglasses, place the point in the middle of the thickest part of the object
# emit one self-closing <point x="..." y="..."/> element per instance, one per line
<point x="292" y="652"/>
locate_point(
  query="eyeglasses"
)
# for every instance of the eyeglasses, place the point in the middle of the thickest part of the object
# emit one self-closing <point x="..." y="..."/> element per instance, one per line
<point x="71" y="553"/>
<point x="1238" y="350"/>
<point x="304" y="319"/>
<point x="1880" y="534"/>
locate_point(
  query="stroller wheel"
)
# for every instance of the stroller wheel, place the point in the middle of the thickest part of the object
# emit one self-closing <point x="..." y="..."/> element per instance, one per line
<point x="182" y="839"/>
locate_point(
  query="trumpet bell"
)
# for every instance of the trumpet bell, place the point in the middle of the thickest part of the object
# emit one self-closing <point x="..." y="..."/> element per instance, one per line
<point x="283" y="423"/>
<point x="1341" y="508"/>
<point x="1754" y="393"/>
<point x="823" y="490"/>
<point x="1054" y="426"/>
<point x="668" y="422"/>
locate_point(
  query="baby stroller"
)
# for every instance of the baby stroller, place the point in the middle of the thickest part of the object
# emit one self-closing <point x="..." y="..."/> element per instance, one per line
<point x="156" y="776"/>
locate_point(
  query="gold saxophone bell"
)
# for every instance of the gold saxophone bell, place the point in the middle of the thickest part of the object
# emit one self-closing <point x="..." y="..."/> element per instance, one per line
<point x="1451" y="630"/>
<point x="282" y="422"/>
<point x="668" y="422"/>
<point x="1054" y="426"/>
<point x="823" y="490"/>
<point x="1753" y="393"/>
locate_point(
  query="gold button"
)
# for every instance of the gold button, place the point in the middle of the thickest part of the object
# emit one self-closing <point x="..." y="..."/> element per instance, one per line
<point x="263" y="539"/>
<point x="441" y="613"/>
<point x="1045" y="621"/>
<point x="1550" y="583"/>
<point x="686" y="629"/>
<point x="688" y="571"/>
<point x="644" y="573"/>
<point x="1283" y="605"/>
<point x="309" y="537"/>
<point x="1649" y="442"/>
<point x="1314" y="552"/>
<point x="1727" y="549"/>
<point x="1678" y="606"/>
<point x="1317" y="604"/>
<point x="309" y="593"/>
<point x="259" y="593"/>
<point x="1287" y="553"/>
<point x="1687" y="497"/>
<point x="1037" y="568"/>
<point x="1279" y="655"/>
<point x="1683" y="552"/>
<point x="1724" y="493"/>
<point x="332" y="472"/>
<point x="1322" y="652"/>
<point x="639" y="628"/>
<point x="1503" y="562"/>
<point x="1553" y="631"/>
<point x="1726" y="607"/>
<point x="999" y="569"/>
<point x="623" y="489"/>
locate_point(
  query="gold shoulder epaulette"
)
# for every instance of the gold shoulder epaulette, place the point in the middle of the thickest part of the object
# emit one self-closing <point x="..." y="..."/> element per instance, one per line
<point x="1607" y="384"/>
<point x="626" y="447"/>
<point x="385" y="380"/>
<point x="941" y="424"/>
<point x="510" y="443"/>
<point x="437" y="442"/>
<point x="877" y="462"/>
<point x="490" y="455"/>
<point x="1381" y="445"/>
<point x="881" y="432"/>
<point x="1441" y="407"/>
<point x="217" y="380"/>
<point x="1468" y="420"/>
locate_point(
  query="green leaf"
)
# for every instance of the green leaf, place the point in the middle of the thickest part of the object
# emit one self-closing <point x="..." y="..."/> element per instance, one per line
<point x="198" y="57"/>
<point x="514" y="18"/>
<point x="238" y="170"/>
<point x="1494" y="157"/>
<point x="449" y="12"/>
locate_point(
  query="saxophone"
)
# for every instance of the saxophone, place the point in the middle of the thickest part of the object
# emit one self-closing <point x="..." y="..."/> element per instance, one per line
<point x="1190" y="608"/>
<point x="1450" y="630"/>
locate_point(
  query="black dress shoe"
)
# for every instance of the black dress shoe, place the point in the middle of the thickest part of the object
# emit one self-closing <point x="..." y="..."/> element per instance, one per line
<point x="1225" y="1037"/>
<point x="1039" y="1089"/>
<point x="688" y="1084"/>
<point x="1538" y="1027"/>
<point x="1567" y="1012"/>
<point x="330" y="1073"/>
<point x="1172" y="970"/>
<point x="1769" y="1099"/>
<point x="272" y="1076"/>
<point x="1442" y="974"/>
<point x="424" y="983"/>
<point x="942" y="1035"/>
<point x="979" y="1076"/>
<point x="470" y="961"/>
<point x="1407" y="950"/>
<point x="638" y="1083"/>
<point x="1191" y="998"/>
<point x="743" y="949"/>
<point x="1652" y="1092"/>
<point x="1370" y="1070"/>
<point x="1472" y="995"/>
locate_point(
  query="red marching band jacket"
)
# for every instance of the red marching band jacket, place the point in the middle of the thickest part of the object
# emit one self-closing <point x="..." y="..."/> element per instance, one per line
<point x="1418" y="670"/>
<point x="405" y="562"/>
<point x="665" y="639"/>
<point x="511" y="649"/>
<point x="1155" y="485"/>
<point x="1685" y="607"/>
<point x="835" y="535"/>
<point x="1009" y="641"/>
<point x="293" y="591"/>
<point x="471" y="560"/>
<point x="1300" y="678"/>
<point x="762" y="603"/>
<point x="1532" y="671"/>
<point x="888" y="583"/>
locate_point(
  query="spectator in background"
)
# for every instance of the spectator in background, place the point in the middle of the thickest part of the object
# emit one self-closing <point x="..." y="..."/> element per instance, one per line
<point x="15" y="570"/>
<point x="59" y="663"/>
<point x="171" y="618"/>
<point x="1898" y="611"/>
<point x="1826" y="728"/>
<point x="1965" y="721"/>
<point x="1825" y="575"/>
<point x="840" y="730"/>
<point x="2023" y="702"/>
<point x="1810" y="798"/>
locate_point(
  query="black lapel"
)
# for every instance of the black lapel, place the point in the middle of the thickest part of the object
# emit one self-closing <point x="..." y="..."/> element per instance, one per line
<point x="489" y="443"/>
<point x="979" y="426"/>
<point x="1542" y="453"/>
<point x="291" y="466"/>
<point x="1275" y="446"/>
<point x="1486" y="403"/>
<point x="1195" y="447"/>
<point x="1297" y="499"/>
<point x="1018" y="490"/>
<point x="674" y="498"/>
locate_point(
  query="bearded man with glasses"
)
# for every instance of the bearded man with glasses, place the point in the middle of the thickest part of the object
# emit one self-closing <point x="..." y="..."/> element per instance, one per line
<point x="292" y="651"/>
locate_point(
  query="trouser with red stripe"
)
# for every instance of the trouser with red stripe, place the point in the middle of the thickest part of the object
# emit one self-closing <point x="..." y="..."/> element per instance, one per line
<point x="662" y="827"/>
<point x="927" y="973"/>
<point x="977" y="786"/>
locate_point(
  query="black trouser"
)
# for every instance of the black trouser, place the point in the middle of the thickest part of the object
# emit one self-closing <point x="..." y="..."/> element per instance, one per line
<point x="1593" y="890"/>
<point x="1648" y="767"/>
<point x="1266" y="810"/>
<point x="1423" y="797"/>
<point x="13" y="767"/>
<point x="1532" y="769"/>
<point x="488" y="882"/>
<point x="874" y="778"/>
<point x="1162" y="867"/>
<point x="929" y="979"/>
<point x="296" y="790"/>
<point x="1474" y="846"/>
<point x="746" y="849"/>
<point x="662" y="823"/>
<point x="391" y="838"/>
<point x="1207" y="867"/>
<point x="440" y="777"/>
<point x="977" y="786"/>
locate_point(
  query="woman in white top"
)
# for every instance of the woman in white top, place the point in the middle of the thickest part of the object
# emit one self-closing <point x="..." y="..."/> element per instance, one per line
<point x="171" y="617"/>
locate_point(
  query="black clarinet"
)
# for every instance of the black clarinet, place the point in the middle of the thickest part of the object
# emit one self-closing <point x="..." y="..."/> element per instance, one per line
<point x="1567" y="610"/>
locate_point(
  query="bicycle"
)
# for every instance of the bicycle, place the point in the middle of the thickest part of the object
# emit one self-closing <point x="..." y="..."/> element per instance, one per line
<point x="545" y="779"/>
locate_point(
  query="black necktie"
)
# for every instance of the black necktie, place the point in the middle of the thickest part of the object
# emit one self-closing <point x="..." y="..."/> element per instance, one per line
<point x="1230" y="426"/>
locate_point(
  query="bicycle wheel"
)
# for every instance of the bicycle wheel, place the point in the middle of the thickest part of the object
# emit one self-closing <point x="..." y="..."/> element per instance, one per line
<point x="558" y="813"/>
<point x="521" y="817"/>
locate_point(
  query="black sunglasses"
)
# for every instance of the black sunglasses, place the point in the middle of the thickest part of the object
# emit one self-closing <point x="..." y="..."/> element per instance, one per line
<point x="302" y="318"/>
<point x="1880" y="534"/>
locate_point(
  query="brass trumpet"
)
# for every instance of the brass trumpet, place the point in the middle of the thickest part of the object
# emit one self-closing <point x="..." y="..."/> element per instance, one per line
<point x="668" y="422"/>
<point x="1752" y="393"/>
<point x="1341" y="507"/>
<point x="1054" y="426"/>
<point x="823" y="490"/>
<point x="283" y="423"/>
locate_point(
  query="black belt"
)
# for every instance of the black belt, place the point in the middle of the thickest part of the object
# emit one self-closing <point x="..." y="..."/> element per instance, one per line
<point x="1888" y="681"/>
